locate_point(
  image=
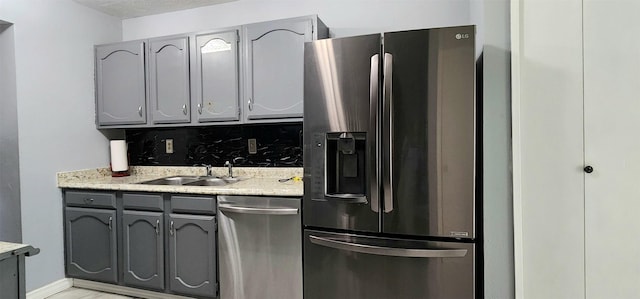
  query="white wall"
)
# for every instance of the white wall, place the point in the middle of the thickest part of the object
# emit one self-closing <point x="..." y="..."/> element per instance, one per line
<point x="497" y="206"/>
<point x="343" y="17"/>
<point x="54" y="77"/>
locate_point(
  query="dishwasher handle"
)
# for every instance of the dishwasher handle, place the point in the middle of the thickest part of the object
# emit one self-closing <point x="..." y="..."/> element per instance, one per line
<point x="259" y="211"/>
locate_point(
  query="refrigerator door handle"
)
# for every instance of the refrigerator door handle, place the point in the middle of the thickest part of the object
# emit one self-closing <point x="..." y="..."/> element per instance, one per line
<point x="388" y="251"/>
<point x="388" y="133"/>
<point x="373" y="121"/>
<point x="259" y="211"/>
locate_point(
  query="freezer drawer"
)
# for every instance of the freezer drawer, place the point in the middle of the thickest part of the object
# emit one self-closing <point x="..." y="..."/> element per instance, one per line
<point x="354" y="266"/>
<point x="260" y="247"/>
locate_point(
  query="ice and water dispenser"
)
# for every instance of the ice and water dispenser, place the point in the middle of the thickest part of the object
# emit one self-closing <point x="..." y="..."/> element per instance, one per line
<point x="345" y="165"/>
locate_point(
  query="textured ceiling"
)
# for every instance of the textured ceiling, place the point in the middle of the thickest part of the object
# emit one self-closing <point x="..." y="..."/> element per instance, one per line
<point x="125" y="9"/>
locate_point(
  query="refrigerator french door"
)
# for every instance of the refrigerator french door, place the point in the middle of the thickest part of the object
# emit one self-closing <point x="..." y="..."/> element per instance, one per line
<point x="389" y="147"/>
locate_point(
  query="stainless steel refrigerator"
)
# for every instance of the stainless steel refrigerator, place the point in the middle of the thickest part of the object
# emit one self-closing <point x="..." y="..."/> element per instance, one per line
<point x="389" y="208"/>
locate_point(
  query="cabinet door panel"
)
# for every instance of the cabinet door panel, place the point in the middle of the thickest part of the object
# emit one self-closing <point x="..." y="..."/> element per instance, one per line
<point x="275" y="69"/>
<point x="169" y="80"/>
<point x="611" y="105"/>
<point x="91" y="244"/>
<point x="192" y="254"/>
<point x="120" y="84"/>
<point x="217" y="73"/>
<point x="143" y="249"/>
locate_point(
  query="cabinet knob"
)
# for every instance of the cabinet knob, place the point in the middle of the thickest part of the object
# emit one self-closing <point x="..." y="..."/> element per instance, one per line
<point x="199" y="108"/>
<point x="140" y="111"/>
<point x="588" y="169"/>
<point x="184" y="109"/>
<point x="250" y="104"/>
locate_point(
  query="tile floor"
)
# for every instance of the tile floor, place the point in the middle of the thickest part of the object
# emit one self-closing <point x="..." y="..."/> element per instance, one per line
<point x="76" y="293"/>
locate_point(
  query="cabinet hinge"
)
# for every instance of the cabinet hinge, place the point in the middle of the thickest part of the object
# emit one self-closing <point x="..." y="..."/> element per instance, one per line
<point x="238" y="111"/>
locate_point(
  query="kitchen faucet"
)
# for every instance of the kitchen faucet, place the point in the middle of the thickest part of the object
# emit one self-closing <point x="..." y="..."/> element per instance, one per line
<point x="209" y="168"/>
<point x="230" y="166"/>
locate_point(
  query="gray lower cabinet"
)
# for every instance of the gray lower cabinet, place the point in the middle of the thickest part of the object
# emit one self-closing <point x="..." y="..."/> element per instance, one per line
<point x="216" y="77"/>
<point x="274" y="68"/>
<point x="143" y="242"/>
<point x="192" y="255"/>
<point x="161" y="242"/>
<point x="91" y="248"/>
<point x="120" y="84"/>
<point x="169" y="90"/>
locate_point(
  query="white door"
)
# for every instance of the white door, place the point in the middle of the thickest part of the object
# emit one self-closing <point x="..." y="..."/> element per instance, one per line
<point x="612" y="148"/>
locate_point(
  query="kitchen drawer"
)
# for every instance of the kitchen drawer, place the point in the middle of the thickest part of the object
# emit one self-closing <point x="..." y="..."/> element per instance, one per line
<point x="193" y="204"/>
<point x="91" y="199"/>
<point x="140" y="201"/>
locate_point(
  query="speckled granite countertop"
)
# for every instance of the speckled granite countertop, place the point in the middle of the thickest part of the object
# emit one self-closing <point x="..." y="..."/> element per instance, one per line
<point x="259" y="181"/>
<point x="9" y="249"/>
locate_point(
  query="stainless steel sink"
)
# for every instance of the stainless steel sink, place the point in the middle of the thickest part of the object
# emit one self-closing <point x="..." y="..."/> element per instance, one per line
<point x="208" y="182"/>
<point x="193" y="181"/>
<point x="173" y="180"/>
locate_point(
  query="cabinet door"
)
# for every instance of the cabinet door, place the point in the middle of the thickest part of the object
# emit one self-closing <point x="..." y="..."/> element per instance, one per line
<point x="143" y="249"/>
<point x="275" y="68"/>
<point x="192" y="255"/>
<point x="217" y="75"/>
<point x="611" y="105"/>
<point x="90" y="240"/>
<point x="169" y="80"/>
<point x="120" y="84"/>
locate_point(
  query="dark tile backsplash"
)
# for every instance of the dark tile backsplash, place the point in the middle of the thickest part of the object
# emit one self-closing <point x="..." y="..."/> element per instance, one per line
<point x="278" y="145"/>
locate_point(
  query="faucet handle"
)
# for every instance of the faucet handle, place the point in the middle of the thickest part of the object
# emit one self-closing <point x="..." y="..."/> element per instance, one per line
<point x="227" y="163"/>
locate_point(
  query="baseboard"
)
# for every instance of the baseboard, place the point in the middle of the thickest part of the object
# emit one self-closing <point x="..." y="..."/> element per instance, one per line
<point x="121" y="290"/>
<point x="50" y="289"/>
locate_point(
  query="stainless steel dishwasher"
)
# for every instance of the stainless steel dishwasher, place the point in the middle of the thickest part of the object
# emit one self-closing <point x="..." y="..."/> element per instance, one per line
<point x="260" y="247"/>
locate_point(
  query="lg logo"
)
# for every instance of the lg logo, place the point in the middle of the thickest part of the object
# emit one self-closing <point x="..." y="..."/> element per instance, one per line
<point x="462" y="35"/>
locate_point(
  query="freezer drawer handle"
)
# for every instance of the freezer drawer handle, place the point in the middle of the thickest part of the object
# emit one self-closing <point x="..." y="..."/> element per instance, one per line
<point x="347" y="198"/>
<point x="260" y="211"/>
<point x="388" y="251"/>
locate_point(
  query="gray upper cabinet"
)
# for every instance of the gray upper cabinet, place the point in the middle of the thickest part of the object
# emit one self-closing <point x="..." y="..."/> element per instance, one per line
<point x="217" y="77"/>
<point x="169" y="92"/>
<point x="246" y="74"/>
<point x="143" y="249"/>
<point x="91" y="249"/>
<point x="120" y="84"/>
<point x="192" y="255"/>
<point x="274" y="67"/>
